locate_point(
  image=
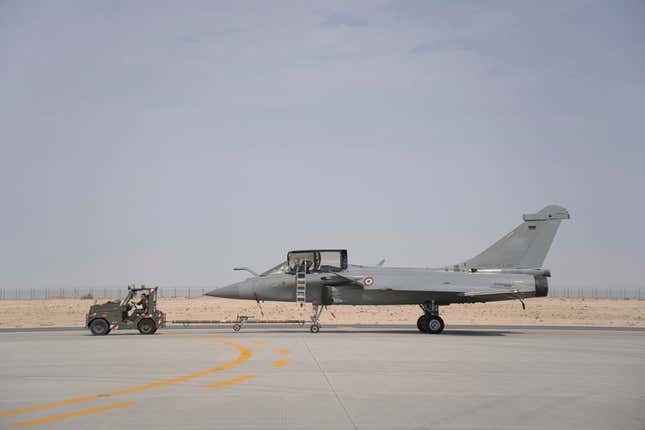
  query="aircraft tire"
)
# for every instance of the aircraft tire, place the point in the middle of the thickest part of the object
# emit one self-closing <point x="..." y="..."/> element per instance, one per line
<point x="315" y="328"/>
<point x="99" y="327"/>
<point x="420" y="323"/>
<point x="237" y="327"/>
<point x="147" y="326"/>
<point x="433" y="324"/>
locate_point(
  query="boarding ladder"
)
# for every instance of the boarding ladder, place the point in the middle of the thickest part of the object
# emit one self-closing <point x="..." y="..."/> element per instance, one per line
<point x="301" y="286"/>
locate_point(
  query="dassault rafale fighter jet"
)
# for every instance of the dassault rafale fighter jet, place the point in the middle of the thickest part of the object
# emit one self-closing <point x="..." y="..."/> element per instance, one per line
<point x="510" y="269"/>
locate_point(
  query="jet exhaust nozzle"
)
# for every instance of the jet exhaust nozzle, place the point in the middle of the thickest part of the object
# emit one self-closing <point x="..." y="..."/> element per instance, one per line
<point x="541" y="286"/>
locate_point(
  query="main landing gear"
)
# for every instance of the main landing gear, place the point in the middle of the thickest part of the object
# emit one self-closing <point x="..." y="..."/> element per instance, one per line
<point x="430" y="321"/>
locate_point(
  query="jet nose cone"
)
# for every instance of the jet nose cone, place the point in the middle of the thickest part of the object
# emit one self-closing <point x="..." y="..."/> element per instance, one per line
<point x="228" y="292"/>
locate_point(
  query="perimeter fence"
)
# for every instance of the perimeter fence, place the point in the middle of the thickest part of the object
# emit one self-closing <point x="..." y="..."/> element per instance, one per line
<point x="94" y="293"/>
<point x="192" y="292"/>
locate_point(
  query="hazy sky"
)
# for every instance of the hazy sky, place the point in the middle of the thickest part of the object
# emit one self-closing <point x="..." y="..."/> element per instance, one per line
<point x="168" y="142"/>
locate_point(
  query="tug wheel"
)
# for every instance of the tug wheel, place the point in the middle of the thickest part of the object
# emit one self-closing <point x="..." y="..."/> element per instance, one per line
<point x="99" y="327"/>
<point x="147" y="326"/>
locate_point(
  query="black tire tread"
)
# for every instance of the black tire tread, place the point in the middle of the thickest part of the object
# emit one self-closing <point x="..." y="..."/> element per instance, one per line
<point x="146" y="321"/>
<point x="96" y="321"/>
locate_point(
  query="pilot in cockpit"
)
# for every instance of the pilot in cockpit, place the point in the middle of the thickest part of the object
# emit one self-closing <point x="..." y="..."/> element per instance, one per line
<point x="301" y="265"/>
<point x="295" y="265"/>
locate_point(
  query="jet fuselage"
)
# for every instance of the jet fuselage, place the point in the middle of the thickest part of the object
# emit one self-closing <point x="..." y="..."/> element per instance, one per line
<point x="388" y="285"/>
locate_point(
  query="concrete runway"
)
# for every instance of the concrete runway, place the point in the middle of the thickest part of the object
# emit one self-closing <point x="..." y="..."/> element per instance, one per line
<point x="341" y="378"/>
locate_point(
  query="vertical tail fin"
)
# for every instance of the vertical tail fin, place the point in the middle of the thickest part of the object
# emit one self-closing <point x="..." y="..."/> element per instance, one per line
<point x="526" y="246"/>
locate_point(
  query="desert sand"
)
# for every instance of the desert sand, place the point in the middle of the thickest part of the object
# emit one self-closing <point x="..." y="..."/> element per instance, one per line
<point x="539" y="311"/>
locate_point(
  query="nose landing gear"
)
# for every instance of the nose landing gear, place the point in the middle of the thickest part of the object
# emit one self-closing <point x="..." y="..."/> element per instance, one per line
<point x="315" y="318"/>
<point x="430" y="321"/>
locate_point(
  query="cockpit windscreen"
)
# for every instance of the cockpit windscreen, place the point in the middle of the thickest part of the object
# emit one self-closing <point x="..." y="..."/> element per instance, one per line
<point x="317" y="261"/>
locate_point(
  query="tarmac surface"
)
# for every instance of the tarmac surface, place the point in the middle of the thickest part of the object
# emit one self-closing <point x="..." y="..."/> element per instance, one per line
<point x="340" y="378"/>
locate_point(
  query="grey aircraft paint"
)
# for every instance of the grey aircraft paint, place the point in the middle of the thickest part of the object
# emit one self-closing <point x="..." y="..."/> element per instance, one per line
<point x="510" y="269"/>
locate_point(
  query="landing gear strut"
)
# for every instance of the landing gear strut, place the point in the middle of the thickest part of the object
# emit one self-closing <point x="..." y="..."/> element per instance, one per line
<point x="430" y="321"/>
<point x="315" y="318"/>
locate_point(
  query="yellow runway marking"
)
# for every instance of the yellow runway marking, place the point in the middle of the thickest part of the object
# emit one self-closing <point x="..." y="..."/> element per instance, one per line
<point x="258" y="342"/>
<point x="245" y="354"/>
<point x="71" y="415"/>
<point x="50" y="405"/>
<point x="284" y="351"/>
<point x="280" y="363"/>
<point x="231" y="381"/>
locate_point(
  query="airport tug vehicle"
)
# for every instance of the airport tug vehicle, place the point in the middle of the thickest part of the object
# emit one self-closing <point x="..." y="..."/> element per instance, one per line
<point x="137" y="310"/>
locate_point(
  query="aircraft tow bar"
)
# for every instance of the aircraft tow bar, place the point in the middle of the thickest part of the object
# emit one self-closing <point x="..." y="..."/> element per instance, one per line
<point x="237" y="323"/>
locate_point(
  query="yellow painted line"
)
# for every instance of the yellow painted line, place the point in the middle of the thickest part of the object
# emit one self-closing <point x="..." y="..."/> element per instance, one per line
<point x="245" y="354"/>
<point x="258" y="342"/>
<point x="231" y="381"/>
<point x="50" y="405"/>
<point x="280" y="363"/>
<point x="284" y="351"/>
<point x="70" y="415"/>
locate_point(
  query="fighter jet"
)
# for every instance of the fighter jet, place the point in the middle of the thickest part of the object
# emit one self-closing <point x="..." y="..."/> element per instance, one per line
<point x="510" y="269"/>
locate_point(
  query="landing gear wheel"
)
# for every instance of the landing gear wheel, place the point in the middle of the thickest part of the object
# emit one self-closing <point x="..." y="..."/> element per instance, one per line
<point x="315" y="328"/>
<point x="99" y="327"/>
<point x="420" y="323"/>
<point x="433" y="324"/>
<point x="147" y="326"/>
<point x="237" y="327"/>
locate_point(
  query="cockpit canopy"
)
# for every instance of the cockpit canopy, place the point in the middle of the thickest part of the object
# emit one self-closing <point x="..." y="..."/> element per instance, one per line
<point x="317" y="260"/>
